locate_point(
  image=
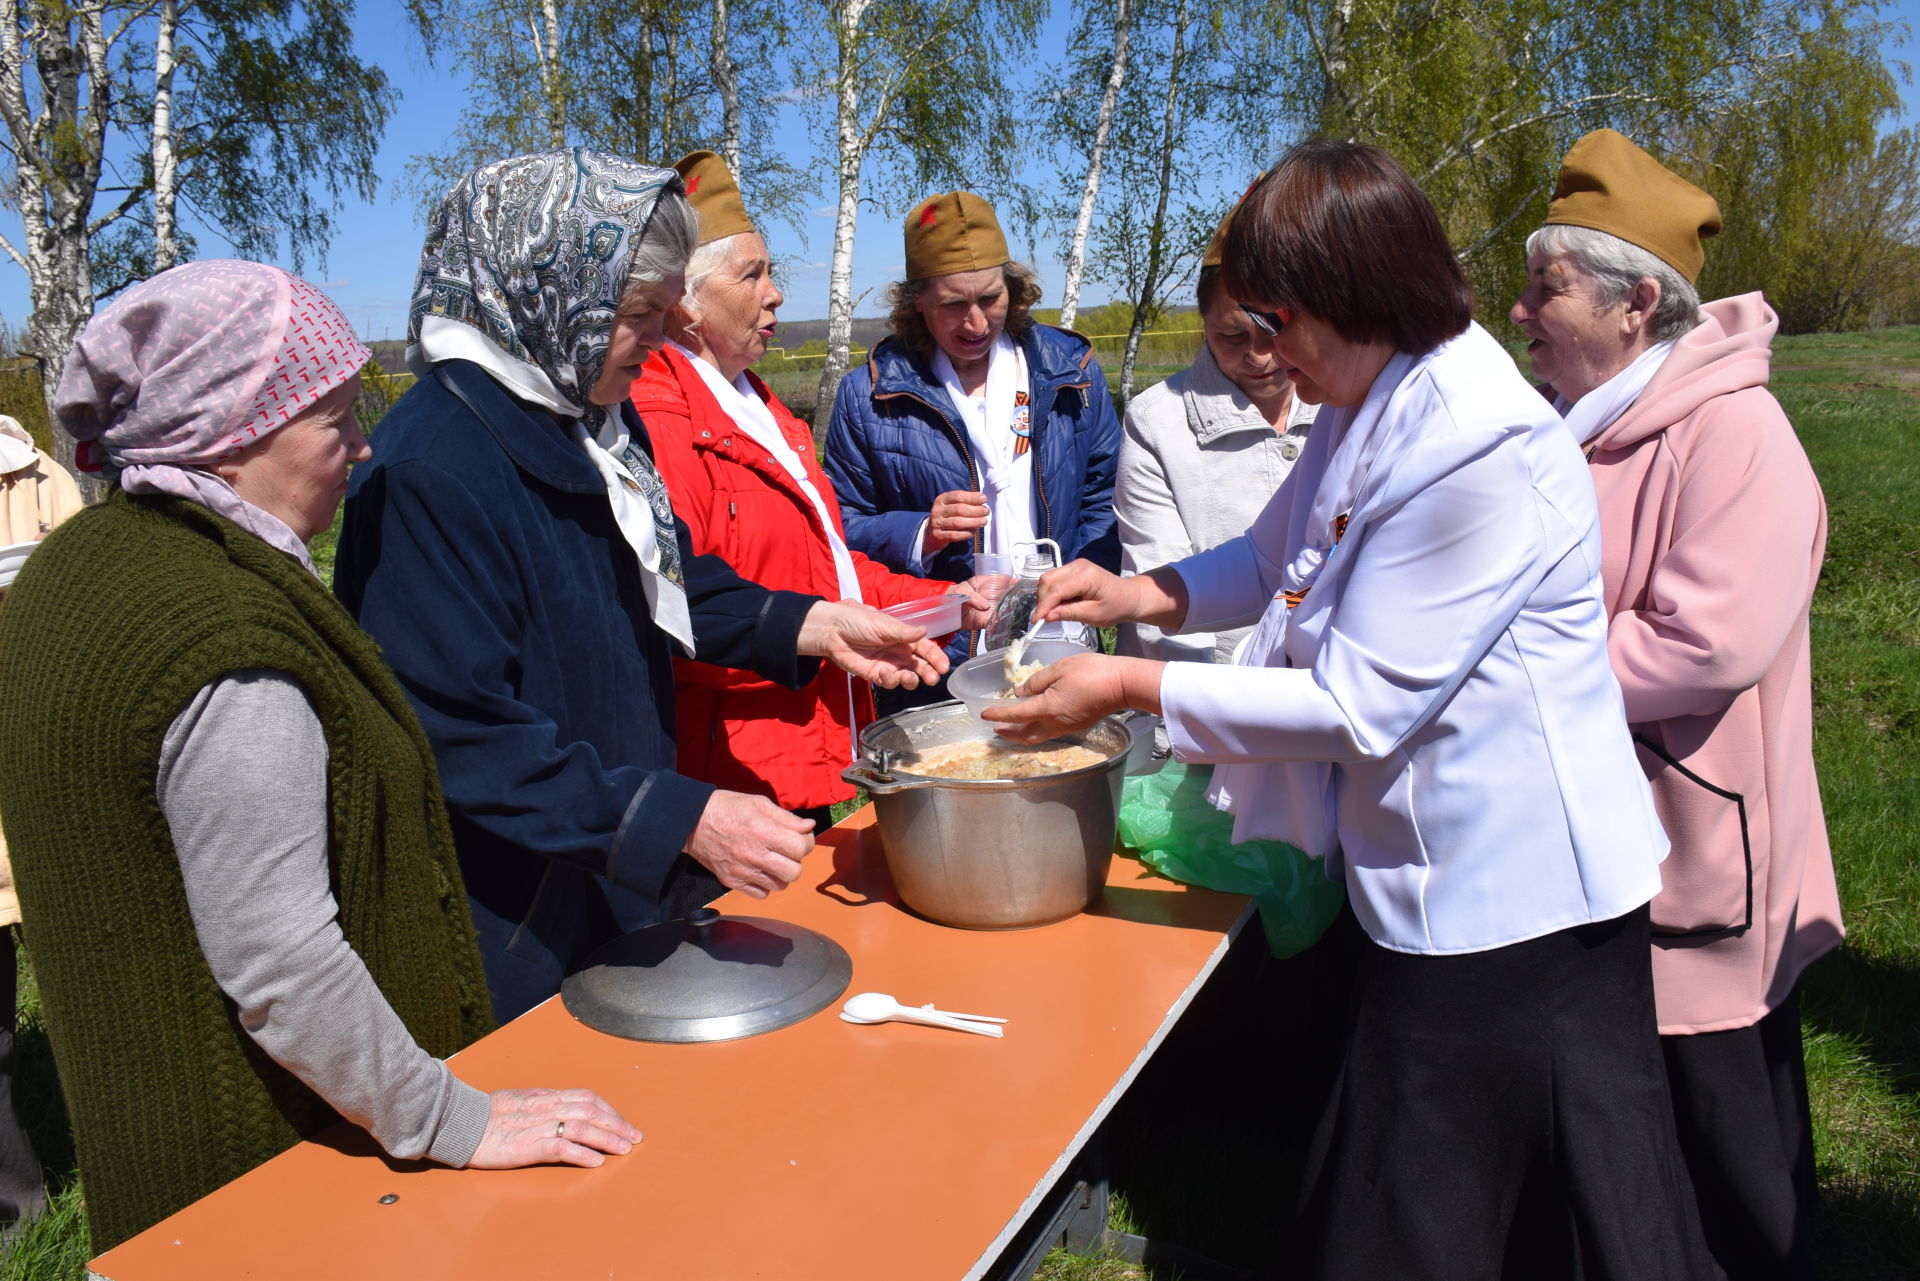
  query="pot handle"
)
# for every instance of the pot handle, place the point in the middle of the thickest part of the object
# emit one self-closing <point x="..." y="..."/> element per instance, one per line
<point x="877" y="782"/>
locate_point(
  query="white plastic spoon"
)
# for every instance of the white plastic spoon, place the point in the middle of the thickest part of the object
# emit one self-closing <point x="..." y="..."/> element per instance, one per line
<point x="878" y="1007"/>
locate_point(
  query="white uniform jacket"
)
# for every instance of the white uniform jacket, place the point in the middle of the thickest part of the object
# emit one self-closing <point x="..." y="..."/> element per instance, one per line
<point x="1437" y="717"/>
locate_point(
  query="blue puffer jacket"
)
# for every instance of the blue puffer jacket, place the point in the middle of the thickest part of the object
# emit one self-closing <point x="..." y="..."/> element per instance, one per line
<point x="896" y="443"/>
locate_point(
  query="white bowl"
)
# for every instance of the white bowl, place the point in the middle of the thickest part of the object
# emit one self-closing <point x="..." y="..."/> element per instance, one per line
<point x="978" y="682"/>
<point x="12" y="557"/>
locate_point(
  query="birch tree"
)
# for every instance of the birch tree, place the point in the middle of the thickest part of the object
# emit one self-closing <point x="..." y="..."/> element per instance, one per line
<point x="652" y="79"/>
<point x="1122" y="22"/>
<point x="916" y="86"/>
<point x="726" y="83"/>
<point x="1176" y="154"/>
<point x="98" y="145"/>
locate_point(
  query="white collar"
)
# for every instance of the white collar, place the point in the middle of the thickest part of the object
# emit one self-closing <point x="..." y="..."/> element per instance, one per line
<point x="1594" y="412"/>
<point x="443" y="338"/>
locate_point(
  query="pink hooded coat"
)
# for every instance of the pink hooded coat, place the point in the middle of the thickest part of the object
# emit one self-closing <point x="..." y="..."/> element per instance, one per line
<point x="1714" y="528"/>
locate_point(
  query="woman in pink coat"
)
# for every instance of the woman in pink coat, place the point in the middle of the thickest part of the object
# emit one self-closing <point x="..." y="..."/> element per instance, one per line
<point x="1713" y="527"/>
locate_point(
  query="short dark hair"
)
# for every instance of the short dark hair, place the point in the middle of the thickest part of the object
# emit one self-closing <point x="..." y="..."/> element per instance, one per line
<point x="1340" y="231"/>
<point x="910" y="327"/>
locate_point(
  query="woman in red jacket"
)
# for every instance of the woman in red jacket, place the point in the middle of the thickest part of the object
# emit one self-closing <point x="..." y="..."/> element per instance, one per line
<point x="741" y="471"/>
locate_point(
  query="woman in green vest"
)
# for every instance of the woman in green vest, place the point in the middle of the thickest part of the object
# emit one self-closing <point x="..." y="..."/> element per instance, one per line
<point x="244" y="909"/>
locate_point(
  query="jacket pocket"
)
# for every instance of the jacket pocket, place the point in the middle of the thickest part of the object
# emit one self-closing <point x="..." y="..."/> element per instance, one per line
<point x="1707" y="879"/>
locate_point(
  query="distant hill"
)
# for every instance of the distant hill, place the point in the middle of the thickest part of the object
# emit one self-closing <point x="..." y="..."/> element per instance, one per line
<point x="798" y="333"/>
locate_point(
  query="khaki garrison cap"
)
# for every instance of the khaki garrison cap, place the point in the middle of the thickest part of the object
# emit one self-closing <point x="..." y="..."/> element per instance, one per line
<point x="1218" y="245"/>
<point x="953" y="233"/>
<point x="715" y="196"/>
<point x="1608" y="184"/>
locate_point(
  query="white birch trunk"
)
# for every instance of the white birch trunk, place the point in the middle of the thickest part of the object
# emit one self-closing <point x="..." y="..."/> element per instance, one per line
<point x="852" y="144"/>
<point x="1157" y="230"/>
<point x="166" y="246"/>
<point x="55" y="199"/>
<point x="1109" y="97"/>
<point x="726" y="79"/>
<point x="546" y="48"/>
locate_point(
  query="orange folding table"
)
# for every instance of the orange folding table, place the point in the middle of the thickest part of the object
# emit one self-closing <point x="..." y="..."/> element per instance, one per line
<point x="824" y="1151"/>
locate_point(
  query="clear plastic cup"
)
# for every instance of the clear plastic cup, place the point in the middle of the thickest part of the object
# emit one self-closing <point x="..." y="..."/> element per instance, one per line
<point x="993" y="574"/>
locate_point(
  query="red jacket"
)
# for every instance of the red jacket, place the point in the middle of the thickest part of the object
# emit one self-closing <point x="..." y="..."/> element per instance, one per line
<point x="736" y="730"/>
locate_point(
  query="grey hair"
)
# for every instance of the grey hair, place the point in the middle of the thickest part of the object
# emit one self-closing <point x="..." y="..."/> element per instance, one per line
<point x="1618" y="265"/>
<point x="664" y="244"/>
<point x="706" y="262"/>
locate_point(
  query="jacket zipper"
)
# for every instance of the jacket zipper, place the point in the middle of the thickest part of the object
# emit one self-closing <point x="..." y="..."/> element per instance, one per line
<point x="1033" y="442"/>
<point x="973" y="477"/>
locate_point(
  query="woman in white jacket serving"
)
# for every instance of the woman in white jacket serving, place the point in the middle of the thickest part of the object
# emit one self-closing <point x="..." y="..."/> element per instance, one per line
<point x="1426" y="703"/>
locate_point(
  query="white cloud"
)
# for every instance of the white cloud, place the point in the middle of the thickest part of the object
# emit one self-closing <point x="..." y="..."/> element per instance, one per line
<point x="826" y="211"/>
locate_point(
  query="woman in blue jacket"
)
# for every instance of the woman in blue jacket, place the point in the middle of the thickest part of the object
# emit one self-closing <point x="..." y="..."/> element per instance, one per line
<point x="972" y="428"/>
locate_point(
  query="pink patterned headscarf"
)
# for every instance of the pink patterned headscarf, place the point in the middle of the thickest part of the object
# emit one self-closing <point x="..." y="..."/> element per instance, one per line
<point x="193" y="366"/>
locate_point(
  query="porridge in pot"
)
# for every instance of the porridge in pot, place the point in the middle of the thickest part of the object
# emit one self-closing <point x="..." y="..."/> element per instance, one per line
<point x="996" y="759"/>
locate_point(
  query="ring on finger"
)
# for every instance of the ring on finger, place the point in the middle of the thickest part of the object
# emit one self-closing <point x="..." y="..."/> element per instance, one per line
<point x="559" y="1129"/>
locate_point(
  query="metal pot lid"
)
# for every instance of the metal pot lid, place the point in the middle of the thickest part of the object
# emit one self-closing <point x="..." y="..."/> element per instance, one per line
<point x="707" y="978"/>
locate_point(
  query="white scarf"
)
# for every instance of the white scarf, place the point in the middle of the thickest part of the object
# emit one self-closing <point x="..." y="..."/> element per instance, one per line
<point x="635" y="490"/>
<point x="1596" y="411"/>
<point x="1359" y="440"/>
<point x="1363" y="440"/>
<point x="645" y="517"/>
<point x="1006" y="477"/>
<point x="739" y="401"/>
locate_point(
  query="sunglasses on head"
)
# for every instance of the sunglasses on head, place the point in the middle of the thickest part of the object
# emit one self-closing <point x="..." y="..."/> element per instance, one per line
<point x="1269" y="322"/>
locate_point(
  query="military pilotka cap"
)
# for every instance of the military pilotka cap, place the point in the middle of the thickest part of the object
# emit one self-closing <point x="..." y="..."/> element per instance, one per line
<point x="715" y="196"/>
<point x="953" y="233"/>
<point x="1218" y="245"/>
<point x="1610" y="185"/>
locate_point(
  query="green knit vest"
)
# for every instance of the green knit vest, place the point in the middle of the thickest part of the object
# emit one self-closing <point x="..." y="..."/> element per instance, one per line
<point x="121" y="616"/>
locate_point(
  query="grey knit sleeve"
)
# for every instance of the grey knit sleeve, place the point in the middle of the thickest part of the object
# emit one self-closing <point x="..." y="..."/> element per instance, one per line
<point x="243" y="784"/>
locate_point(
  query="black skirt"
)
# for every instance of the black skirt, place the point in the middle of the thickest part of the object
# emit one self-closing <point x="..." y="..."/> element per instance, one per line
<point x="1503" y="1114"/>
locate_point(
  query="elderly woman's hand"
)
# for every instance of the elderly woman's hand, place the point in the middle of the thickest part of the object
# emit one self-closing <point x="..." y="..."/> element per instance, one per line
<point x="981" y="591"/>
<point x="1082" y="592"/>
<point x="750" y="843"/>
<point x="551" y="1127"/>
<point x="1074" y="693"/>
<point x="956" y="515"/>
<point x="872" y="646"/>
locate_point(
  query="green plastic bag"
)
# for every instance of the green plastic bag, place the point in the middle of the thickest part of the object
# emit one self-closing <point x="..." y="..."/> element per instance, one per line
<point x="1167" y="818"/>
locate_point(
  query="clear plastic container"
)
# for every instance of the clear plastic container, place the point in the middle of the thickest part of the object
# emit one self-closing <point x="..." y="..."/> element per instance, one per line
<point x="940" y="615"/>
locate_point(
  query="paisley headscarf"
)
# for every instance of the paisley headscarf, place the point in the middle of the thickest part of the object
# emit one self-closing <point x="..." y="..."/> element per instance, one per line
<point x="522" y="274"/>
<point x="194" y="365"/>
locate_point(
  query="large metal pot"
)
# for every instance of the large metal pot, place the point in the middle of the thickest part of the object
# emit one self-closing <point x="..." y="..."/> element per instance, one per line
<point x="990" y="854"/>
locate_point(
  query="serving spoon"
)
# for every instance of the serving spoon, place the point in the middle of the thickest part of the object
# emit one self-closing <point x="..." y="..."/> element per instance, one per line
<point x="878" y="1007"/>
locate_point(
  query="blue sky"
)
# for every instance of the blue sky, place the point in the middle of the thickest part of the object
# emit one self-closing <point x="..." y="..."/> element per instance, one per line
<point x="369" y="268"/>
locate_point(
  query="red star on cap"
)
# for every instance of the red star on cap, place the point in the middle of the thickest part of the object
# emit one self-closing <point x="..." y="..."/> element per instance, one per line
<point x="693" y="184"/>
<point x="927" y="216"/>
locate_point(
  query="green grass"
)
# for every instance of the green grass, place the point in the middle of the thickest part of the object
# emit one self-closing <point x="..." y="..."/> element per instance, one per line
<point x="1207" y="1146"/>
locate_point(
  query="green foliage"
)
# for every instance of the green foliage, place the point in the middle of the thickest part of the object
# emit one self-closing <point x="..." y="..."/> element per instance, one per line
<point x="1767" y="100"/>
<point x="281" y="110"/>
<point x="1820" y="208"/>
